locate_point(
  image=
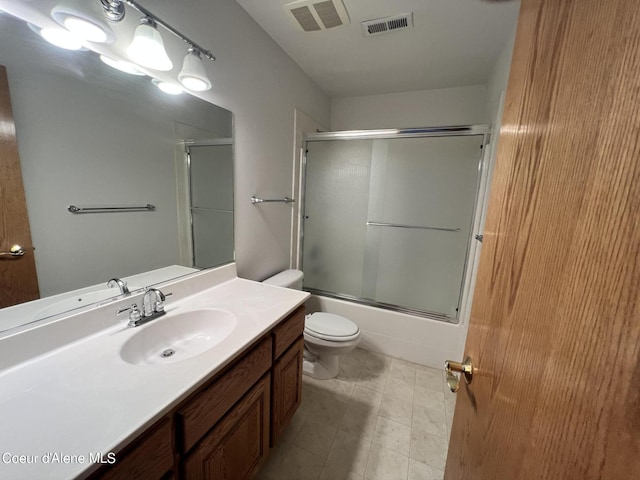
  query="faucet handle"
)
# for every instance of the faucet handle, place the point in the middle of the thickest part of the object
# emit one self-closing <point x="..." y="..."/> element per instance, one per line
<point x="134" y="312"/>
<point x="158" y="306"/>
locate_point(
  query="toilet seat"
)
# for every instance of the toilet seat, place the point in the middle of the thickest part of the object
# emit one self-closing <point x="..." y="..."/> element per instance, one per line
<point x="330" y="327"/>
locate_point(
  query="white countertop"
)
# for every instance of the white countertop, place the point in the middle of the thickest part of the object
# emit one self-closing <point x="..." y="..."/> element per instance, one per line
<point x="82" y="399"/>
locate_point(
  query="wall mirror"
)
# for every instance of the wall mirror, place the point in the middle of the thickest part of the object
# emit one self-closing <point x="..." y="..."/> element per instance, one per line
<point x="89" y="135"/>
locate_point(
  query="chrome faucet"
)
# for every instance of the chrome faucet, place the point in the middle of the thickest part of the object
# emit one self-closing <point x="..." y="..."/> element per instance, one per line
<point x="152" y="302"/>
<point x="116" y="282"/>
<point x="152" y="307"/>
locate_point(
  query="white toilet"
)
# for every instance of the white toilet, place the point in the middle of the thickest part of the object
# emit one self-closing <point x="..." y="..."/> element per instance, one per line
<point x="326" y="336"/>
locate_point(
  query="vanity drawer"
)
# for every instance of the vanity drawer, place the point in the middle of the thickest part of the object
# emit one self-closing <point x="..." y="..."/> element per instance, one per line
<point x="207" y="408"/>
<point x="150" y="458"/>
<point x="287" y="332"/>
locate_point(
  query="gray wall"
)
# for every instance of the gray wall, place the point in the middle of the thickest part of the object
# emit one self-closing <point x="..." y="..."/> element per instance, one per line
<point x="423" y="108"/>
<point x="255" y="79"/>
<point x="497" y="84"/>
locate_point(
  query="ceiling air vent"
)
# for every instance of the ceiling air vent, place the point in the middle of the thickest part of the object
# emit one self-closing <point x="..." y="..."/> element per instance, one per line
<point x="314" y="15"/>
<point x="387" y="24"/>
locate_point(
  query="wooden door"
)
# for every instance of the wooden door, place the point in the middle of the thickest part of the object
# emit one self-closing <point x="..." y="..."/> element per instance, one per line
<point x="555" y="325"/>
<point x="18" y="281"/>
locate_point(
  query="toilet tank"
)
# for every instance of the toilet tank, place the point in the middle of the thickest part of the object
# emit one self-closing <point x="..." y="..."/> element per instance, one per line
<point x="287" y="279"/>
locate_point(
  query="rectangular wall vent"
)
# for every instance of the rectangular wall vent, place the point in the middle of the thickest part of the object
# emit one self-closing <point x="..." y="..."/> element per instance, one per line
<point x="314" y="15"/>
<point x="387" y="24"/>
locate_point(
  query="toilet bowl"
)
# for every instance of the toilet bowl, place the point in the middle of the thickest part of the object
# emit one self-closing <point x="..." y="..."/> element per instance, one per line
<point x="326" y="336"/>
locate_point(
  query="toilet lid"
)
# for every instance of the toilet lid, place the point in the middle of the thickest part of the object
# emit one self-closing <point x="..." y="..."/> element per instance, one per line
<point x="329" y="326"/>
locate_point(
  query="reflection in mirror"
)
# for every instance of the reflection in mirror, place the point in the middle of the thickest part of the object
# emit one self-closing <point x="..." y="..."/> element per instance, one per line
<point x="89" y="135"/>
<point x="211" y="185"/>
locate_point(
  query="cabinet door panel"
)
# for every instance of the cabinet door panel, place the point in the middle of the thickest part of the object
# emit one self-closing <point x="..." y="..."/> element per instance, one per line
<point x="150" y="458"/>
<point x="239" y="444"/>
<point x="287" y="388"/>
<point x="204" y="411"/>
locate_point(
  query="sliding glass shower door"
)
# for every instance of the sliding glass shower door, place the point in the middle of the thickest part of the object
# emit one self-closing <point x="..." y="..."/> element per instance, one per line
<point x="388" y="221"/>
<point x="211" y="189"/>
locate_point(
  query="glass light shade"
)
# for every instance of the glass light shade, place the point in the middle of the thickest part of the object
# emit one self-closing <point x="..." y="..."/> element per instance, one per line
<point x="147" y="49"/>
<point x="85" y="29"/>
<point x="193" y="75"/>
<point x="168" y="87"/>
<point x="61" y="38"/>
<point x="84" y="19"/>
<point x="125" y="67"/>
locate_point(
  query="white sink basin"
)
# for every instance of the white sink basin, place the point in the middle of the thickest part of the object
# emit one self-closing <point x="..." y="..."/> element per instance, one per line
<point x="177" y="337"/>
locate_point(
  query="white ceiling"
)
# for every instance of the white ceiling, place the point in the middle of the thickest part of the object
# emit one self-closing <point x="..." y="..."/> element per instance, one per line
<point x="453" y="43"/>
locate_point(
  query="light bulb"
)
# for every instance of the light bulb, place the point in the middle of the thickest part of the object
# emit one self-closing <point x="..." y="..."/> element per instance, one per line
<point x="168" y="87"/>
<point x="61" y="38"/>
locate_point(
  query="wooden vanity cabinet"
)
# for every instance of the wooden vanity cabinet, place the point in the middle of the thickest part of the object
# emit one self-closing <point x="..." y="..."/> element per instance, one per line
<point x="224" y="429"/>
<point x="239" y="444"/>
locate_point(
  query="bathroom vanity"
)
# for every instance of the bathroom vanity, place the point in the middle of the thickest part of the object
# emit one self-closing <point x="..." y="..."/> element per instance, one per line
<point x="225" y="428"/>
<point x="210" y="414"/>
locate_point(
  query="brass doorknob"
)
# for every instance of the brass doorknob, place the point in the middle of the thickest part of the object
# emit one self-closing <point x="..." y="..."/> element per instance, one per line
<point x="465" y="369"/>
<point x="14" y="251"/>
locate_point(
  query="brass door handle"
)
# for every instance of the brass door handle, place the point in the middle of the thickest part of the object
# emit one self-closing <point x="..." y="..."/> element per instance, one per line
<point x="465" y="369"/>
<point x="14" y="251"/>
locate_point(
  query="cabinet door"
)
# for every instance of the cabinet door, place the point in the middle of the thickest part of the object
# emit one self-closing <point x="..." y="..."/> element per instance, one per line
<point x="239" y="444"/>
<point x="149" y="458"/>
<point x="287" y="388"/>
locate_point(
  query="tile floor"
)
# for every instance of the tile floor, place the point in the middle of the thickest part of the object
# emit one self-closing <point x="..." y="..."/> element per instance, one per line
<point x="381" y="419"/>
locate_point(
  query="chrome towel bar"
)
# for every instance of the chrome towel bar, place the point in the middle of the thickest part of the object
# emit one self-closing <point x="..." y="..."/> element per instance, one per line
<point x="111" y="208"/>
<point x="255" y="200"/>
<point x="398" y="225"/>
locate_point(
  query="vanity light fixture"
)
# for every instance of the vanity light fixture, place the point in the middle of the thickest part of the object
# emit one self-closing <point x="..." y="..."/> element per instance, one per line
<point x="147" y="47"/>
<point x="193" y="76"/>
<point x="114" y="10"/>
<point x="84" y="19"/>
<point x="125" y="67"/>
<point x="167" y="87"/>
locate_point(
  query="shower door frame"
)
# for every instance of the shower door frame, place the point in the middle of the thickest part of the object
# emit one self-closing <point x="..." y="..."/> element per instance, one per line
<point x="442" y="131"/>
<point x="189" y="192"/>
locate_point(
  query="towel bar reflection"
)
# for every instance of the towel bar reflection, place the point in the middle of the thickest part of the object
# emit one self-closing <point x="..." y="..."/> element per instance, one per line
<point x="111" y="208"/>
<point x="255" y="200"/>
<point x="398" y="225"/>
